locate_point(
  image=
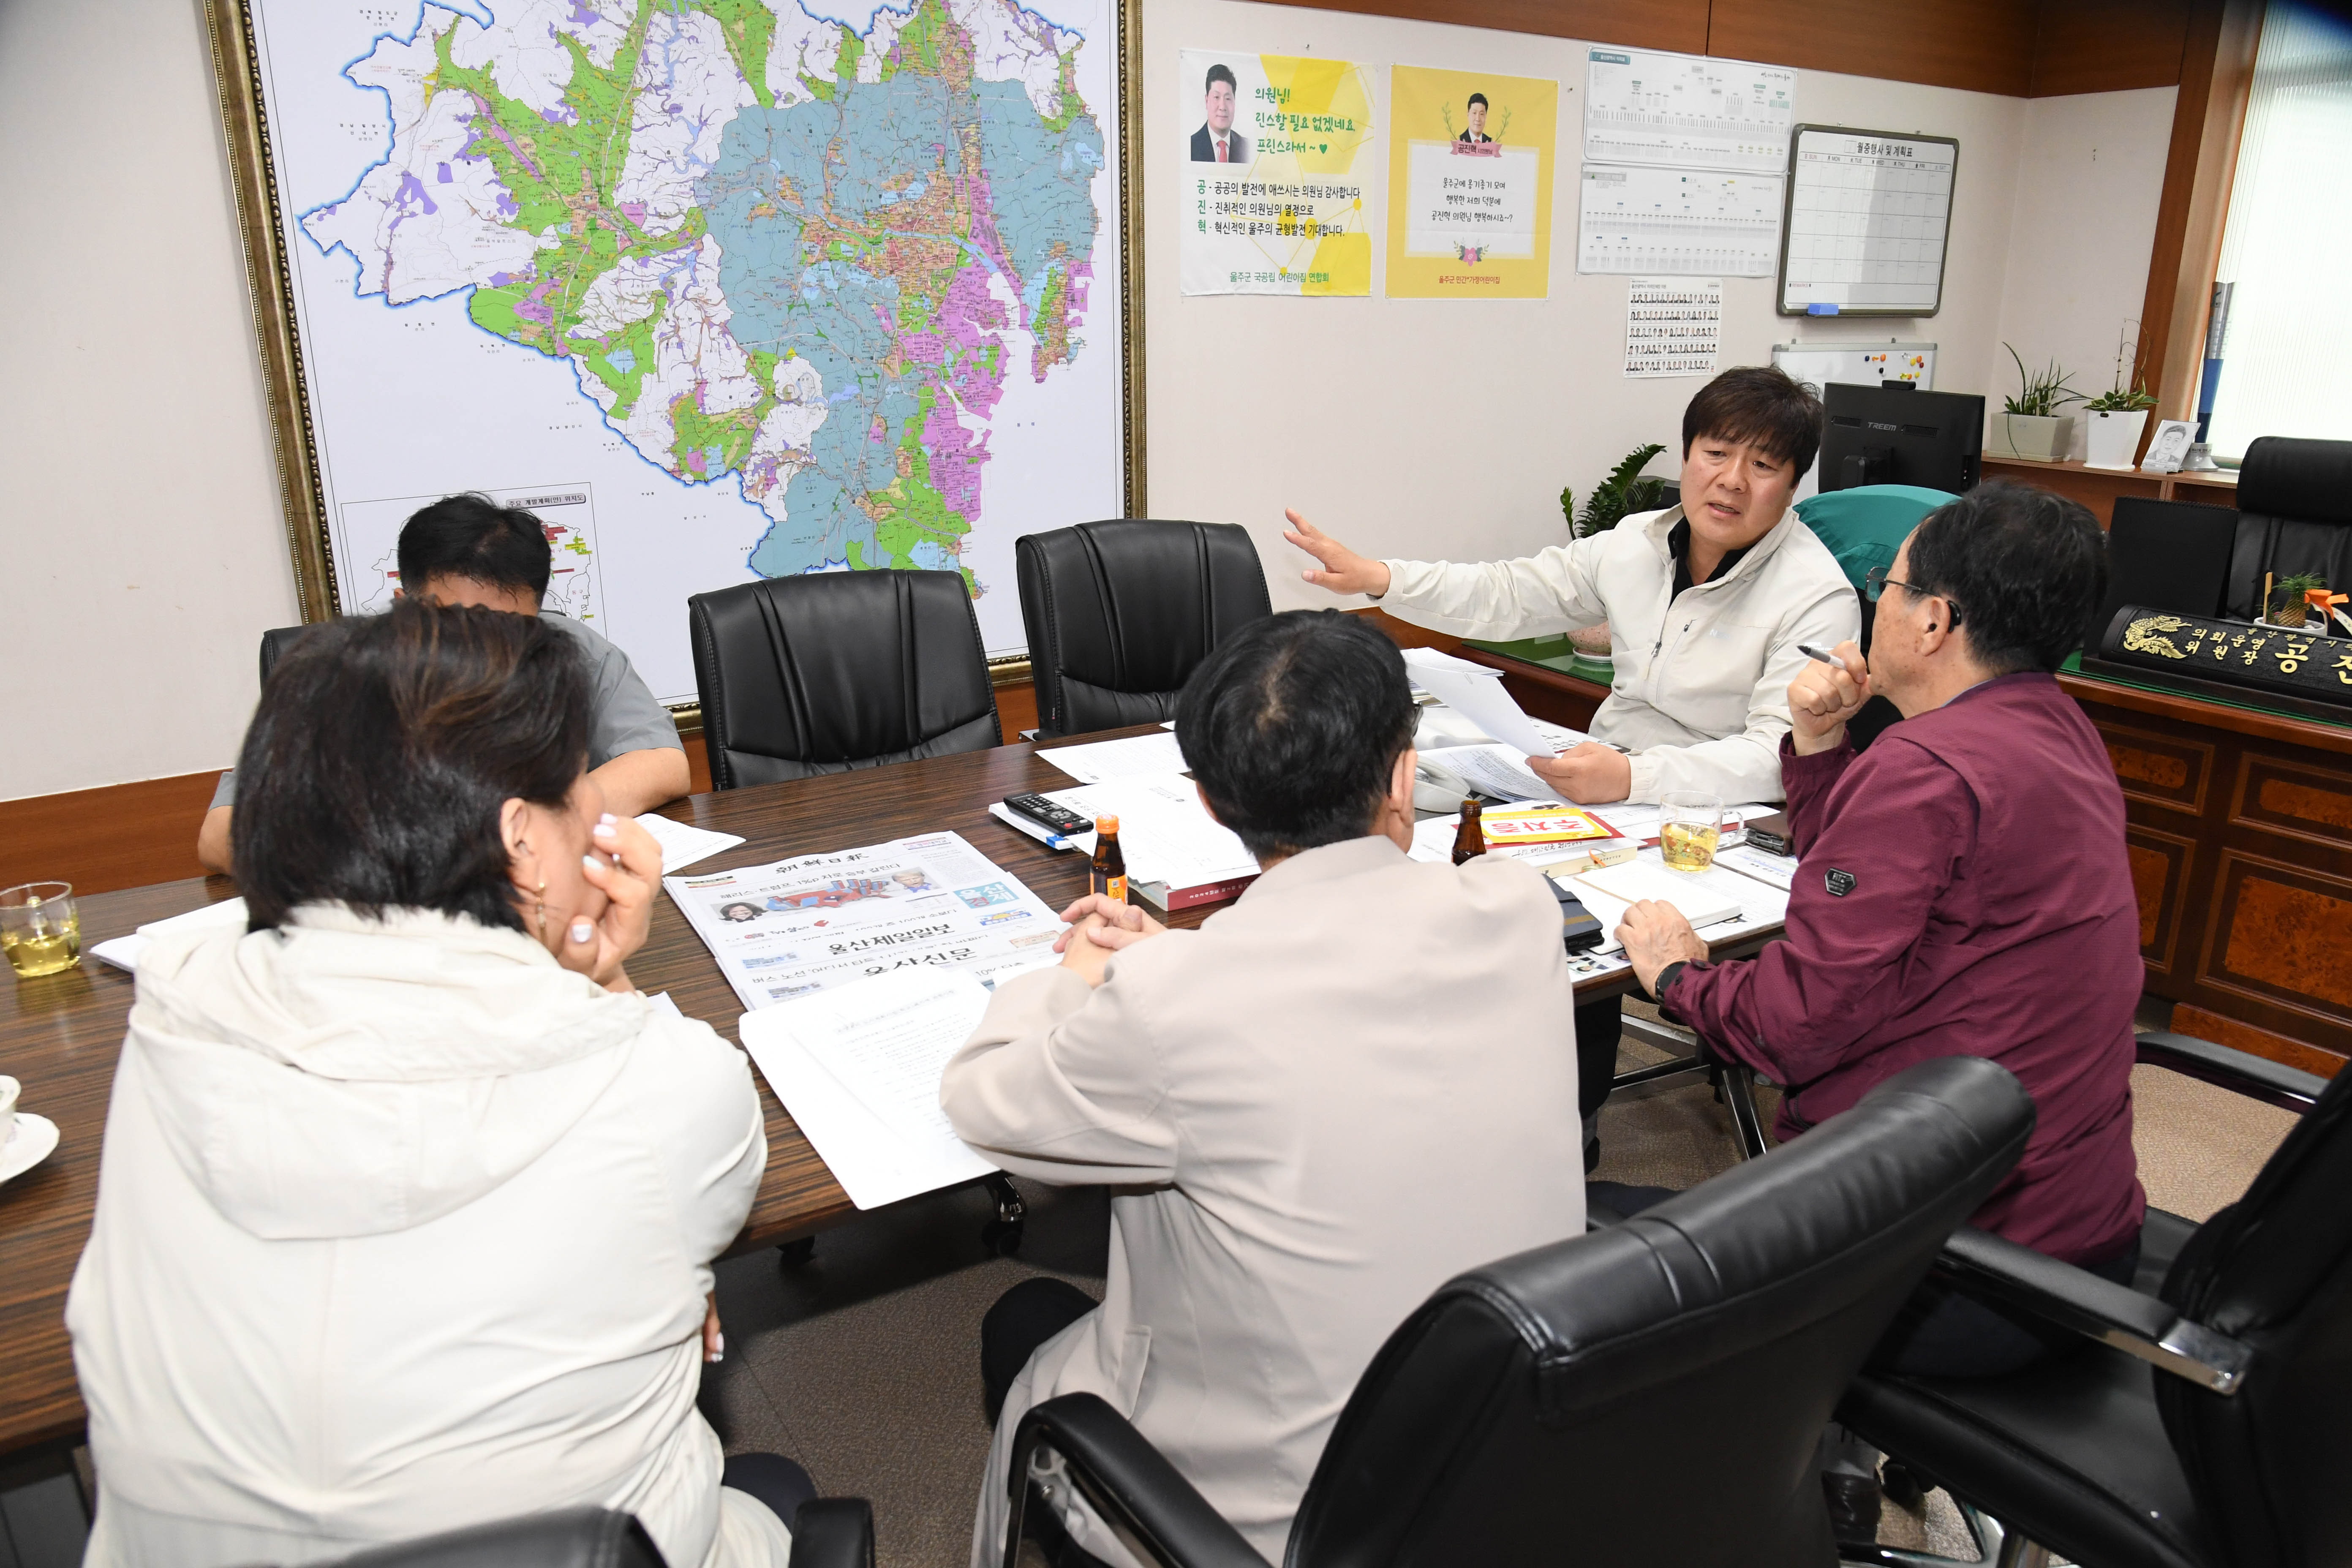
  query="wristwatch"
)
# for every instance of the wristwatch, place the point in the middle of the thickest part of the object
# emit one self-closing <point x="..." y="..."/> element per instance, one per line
<point x="1665" y="980"/>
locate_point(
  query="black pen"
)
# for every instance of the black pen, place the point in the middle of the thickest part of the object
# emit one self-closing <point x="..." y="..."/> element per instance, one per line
<point x="1824" y="655"/>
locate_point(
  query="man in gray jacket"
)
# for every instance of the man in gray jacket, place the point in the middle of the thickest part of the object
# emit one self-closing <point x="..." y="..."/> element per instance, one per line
<point x="1335" y="1095"/>
<point x="1706" y="603"/>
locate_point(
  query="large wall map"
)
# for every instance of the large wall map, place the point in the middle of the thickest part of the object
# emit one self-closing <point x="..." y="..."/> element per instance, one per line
<point x="729" y="289"/>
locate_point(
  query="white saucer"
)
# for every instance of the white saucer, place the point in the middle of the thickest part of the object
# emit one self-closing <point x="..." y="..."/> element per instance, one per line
<point x="34" y="1141"/>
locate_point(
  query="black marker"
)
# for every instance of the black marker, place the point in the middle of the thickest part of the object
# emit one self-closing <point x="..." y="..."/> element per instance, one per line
<point x="1822" y="655"/>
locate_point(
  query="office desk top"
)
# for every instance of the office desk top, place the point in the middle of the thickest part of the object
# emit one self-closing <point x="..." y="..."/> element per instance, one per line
<point x="60" y="1034"/>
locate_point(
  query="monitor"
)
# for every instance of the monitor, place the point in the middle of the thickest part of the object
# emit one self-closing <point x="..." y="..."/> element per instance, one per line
<point x="1895" y="433"/>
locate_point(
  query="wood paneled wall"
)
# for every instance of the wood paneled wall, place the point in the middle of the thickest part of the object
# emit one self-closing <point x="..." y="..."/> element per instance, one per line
<point x="2025" y="49"/>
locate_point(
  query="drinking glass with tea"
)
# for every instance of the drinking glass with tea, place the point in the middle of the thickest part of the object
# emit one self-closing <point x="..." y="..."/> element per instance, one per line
<point x="40" y="928"/>
<point x="1691" y="825"/>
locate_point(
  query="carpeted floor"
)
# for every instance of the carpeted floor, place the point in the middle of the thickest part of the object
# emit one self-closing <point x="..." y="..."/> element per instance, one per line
<point x="863" y="1362"/>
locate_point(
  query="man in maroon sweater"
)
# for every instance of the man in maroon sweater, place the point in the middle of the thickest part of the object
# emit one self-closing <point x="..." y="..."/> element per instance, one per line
<point x="1962" y="889"/>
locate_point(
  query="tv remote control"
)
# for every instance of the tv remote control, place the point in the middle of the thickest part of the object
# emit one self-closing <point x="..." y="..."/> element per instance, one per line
<point x="1048" y="815"/>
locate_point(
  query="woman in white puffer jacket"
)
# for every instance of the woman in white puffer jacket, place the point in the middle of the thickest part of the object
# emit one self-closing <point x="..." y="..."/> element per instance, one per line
<point x="408" y="1200"/>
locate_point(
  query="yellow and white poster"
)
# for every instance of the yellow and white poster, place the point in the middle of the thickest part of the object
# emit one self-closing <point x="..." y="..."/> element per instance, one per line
<point x="1470" y="178"/>
<point x="1274" y="191"/>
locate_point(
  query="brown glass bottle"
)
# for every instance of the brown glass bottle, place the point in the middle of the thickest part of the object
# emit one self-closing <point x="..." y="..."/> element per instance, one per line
<point x="1470" y="838"/>
<point x="1107" y="874"/>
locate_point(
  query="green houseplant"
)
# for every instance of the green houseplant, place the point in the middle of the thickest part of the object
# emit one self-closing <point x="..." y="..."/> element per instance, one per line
<point x="2030" y="425"/>
<point x="2287" y="605"/>
<point x="2113" y="422"/>
<point x="1614" y="499"/>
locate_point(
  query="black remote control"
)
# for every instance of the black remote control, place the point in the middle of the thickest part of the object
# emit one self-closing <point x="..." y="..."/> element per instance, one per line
<point x="1048" y="815"/>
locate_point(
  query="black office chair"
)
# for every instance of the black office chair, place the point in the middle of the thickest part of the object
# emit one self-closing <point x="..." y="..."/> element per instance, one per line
<point x="1119" y="613"/>
<point x="276" y="644"/>
<point x="832" y="1532"/>
<point x="2211" y="1425"/>
<point x="1652" y="1392"/>
<point x="821" y="674"/>
<point x="2294" y="514"/>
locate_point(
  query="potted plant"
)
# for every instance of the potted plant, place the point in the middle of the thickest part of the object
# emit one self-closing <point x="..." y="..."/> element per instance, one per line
<point x="2116" y="420"/>
<point x="2287" y="605"/>
<point x="2030" y="425"/>
<point x="1625" y="492"/>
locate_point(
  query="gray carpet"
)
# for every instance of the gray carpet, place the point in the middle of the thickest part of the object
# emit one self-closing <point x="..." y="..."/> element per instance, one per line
<point x="864" y="1362"/>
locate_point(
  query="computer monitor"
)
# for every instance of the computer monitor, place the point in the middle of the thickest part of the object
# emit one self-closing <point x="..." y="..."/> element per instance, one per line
<point x="1894" y="433"/>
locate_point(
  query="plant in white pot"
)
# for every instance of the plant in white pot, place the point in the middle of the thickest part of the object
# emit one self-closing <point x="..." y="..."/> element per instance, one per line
<point x="2030" y="425"/>
<point x="1625" y="492"/>
<point x="2113" y="421"/>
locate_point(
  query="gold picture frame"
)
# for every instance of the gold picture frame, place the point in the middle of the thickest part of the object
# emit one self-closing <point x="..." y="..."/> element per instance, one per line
<point x="260" y="221"/>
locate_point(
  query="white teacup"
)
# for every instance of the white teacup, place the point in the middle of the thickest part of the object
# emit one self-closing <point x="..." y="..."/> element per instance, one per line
<point x="9" y="1090"/>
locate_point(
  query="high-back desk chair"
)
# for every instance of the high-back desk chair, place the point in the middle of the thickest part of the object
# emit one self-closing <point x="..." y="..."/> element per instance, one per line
<point x="1119" y="614"/>
<point x="825" y="673"/>
<point x="1650" y="1393"/>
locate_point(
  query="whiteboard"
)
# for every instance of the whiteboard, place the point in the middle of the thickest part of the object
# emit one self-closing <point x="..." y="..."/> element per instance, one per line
<point x="1816" y="365"/>
<point x="1868" y="215"/>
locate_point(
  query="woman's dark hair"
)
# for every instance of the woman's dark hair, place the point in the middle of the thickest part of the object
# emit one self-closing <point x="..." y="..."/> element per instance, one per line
<point x="2026" y="569"/>
<point x="473" y="537"/>
<point x="1758" y="402"/>
<point x="1291" y="726"/>
<point x="383" y="748"/>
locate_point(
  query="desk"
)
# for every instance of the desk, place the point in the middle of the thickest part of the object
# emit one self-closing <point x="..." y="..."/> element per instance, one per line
<point x="61" y="1034"/>
<point x="2100" y="489"/>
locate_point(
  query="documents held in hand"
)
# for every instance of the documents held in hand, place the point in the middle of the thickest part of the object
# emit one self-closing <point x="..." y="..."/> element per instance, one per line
<point x="859" y="1067"/>
<point x="799" y="926"/>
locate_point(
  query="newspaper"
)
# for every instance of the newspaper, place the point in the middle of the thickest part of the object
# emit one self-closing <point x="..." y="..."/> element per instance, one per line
<point x="797" y="927"/>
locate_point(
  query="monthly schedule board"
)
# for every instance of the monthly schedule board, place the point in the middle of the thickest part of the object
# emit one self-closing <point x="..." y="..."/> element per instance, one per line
<point x="1868" y="215"/>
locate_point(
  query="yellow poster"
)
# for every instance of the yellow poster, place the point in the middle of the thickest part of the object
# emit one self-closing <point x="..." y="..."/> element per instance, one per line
<point x="1470" y="178"/>
<point x="1275" y="198"/>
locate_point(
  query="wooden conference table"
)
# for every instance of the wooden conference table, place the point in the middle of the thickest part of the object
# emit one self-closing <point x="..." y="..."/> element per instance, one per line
<point x="60" y="1034"/>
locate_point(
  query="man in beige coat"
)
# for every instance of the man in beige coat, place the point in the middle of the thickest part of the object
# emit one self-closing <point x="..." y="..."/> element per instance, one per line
<point x="1333" y="1097"/>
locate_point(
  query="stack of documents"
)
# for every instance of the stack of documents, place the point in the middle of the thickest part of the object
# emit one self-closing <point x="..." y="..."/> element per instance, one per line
<point x="1097" y="762"/>
<point x="799" y="926"/>
<point x="859" y="1068"/>
<point x="1177" y="856"/>
<point x="1715" y="897"/>
<point x="123" y="951"/>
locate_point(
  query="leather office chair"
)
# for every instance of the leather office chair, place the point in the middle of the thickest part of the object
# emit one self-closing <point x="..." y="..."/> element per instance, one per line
<point x="833" y="1533"/>
<point x="276" y="644"/>
<point x="1119" y="613"/>
<point x="1557" y="1407"/>
<point x="821" y="674"/>
<point x="2212" y="1425"/>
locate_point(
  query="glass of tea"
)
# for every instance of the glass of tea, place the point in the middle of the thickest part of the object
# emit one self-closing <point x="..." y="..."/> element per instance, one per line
<point x="40" y="928"/>
<point x="1691" y="824"/>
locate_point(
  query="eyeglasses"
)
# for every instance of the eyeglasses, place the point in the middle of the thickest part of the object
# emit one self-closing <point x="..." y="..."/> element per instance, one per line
<point x="1877" y="582"/>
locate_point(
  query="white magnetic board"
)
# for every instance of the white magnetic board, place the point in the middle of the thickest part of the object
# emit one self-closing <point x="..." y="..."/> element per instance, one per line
<point x="1868" y="215"/>
<point x="1858" y="363"/>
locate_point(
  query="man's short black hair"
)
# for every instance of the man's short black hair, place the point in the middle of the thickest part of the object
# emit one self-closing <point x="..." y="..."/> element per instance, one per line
<point x="1292" y="725"/>
<point x="473" y="537"/>
<point x="384" y="750"/>
<point x="2027" y="568"/>
<point x="1219" y="74"/>
<point x="1758" y="402"/>
<point x="1480" y="100"/>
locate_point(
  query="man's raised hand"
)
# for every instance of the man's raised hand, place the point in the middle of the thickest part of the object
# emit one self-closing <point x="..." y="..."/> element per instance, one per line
<point x="1823" y="697"/>
<point x="1343" y="571"/>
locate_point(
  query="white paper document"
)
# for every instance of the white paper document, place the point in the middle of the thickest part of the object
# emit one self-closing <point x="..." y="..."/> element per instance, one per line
<point x="1499" y="772"/>
<point x="859" y="1068"/>
<point x="1476" y="691"/>
<point x="124" y="952"/>
<point x="1688" y="112"/>
<point x="1703" y="897"/>
<point x="682" y="844"/>
<point x="1137" y="755"/>
<point x="800" y="926"/>
<point x="1773" y="870"/>
<point x="1673" y="326"/>
<point x="1678" y="223"/>
<point x="1164" y="831"/>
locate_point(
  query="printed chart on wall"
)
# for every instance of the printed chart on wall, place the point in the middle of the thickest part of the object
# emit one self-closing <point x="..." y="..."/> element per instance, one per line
<point x="1274" y="198"/>
<point x="1470" y="178"/>
<point x="723" y="292"/>
<point x="1684" y="158"/>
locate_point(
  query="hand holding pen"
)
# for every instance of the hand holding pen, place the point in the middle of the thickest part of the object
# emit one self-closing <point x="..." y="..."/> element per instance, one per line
<point x="1825" y="694"/>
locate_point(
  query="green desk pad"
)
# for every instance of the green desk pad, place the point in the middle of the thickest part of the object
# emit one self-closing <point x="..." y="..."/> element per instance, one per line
<point x="1555" y="653"/>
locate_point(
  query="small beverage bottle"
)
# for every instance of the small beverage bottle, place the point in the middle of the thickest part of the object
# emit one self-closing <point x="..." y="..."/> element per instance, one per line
<point x="1470" y="838"/>
<point x="1107" y="875"/>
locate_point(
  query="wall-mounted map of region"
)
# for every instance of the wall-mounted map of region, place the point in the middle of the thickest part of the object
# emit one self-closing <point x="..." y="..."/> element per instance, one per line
<point x="764" y="291"/>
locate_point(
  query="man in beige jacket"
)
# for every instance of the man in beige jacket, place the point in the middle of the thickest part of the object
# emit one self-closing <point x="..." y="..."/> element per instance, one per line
<point x="1706" y="603"/>
<point x="1333" y="1097"/>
